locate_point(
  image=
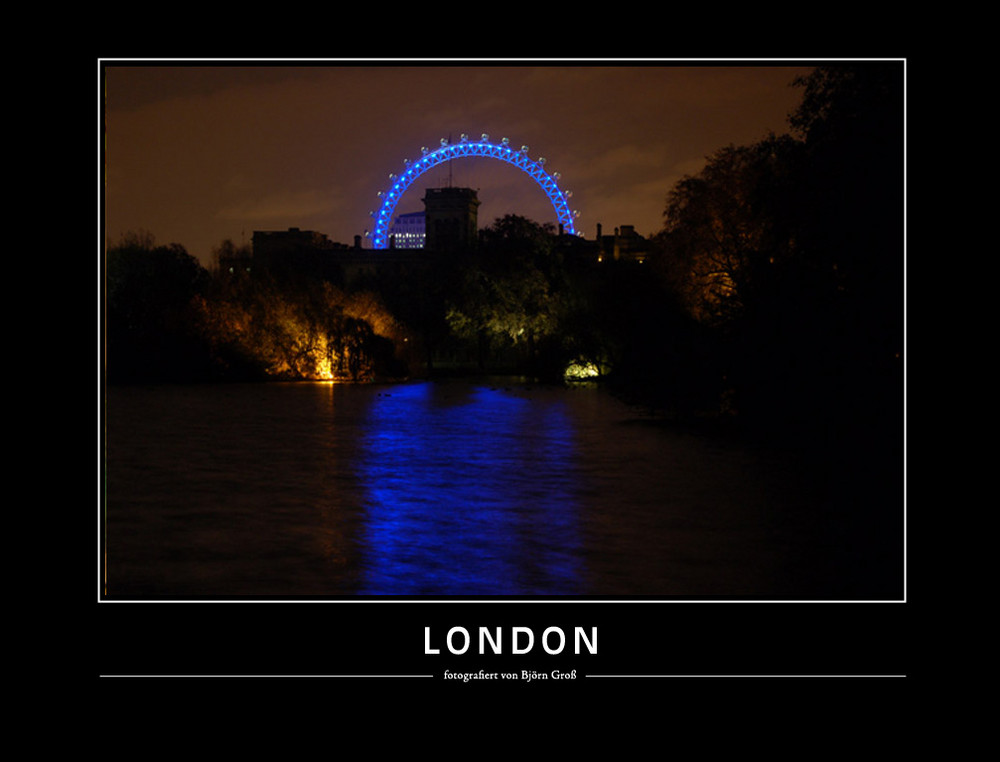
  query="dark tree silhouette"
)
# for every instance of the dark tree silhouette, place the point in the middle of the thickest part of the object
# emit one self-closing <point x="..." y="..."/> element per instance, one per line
<point x="150" y="329"/>
<point x="790" y="249"/>
<point x="851" y="119"/>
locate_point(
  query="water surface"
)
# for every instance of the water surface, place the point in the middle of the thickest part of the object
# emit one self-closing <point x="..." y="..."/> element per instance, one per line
<point x="455" y="488"/>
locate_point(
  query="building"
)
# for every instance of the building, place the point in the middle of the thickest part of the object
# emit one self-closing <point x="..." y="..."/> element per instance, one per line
<point x="307" y="256"/>
<point x="273" y="244"/>
<point x="408" y="231"/>
<point x="451" y="219"/>
<point x="624" y="244"/>
<point x="448" y="224"/>
<point x="296" y="252"/>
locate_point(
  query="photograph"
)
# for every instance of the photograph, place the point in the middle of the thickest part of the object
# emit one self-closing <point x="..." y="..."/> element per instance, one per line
<point x="502" y="370"/>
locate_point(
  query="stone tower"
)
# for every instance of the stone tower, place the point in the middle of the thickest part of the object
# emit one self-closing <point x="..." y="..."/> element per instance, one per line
<point x="451" y="219"/>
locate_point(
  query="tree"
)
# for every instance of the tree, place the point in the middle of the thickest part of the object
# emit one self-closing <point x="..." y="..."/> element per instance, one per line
<point x="228" y="257"/>
<point x="510" y="291"/>
<point x="791" y="250"/>
<point x="729" y="230"/>
<point x="149" y="308"/>
<point x="260" y="327"/>
<point x="730" y="255"/>
<point x="852" y="121"/>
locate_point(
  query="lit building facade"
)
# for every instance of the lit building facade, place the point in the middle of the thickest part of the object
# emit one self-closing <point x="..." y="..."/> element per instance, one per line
<point x="408" y="231"/>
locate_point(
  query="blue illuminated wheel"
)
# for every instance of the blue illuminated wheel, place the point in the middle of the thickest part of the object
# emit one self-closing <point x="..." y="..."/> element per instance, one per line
<point x="465" y="147"/>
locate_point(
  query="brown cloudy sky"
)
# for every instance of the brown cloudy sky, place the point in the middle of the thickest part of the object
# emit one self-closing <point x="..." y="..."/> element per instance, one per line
<point x="199" y="154"/>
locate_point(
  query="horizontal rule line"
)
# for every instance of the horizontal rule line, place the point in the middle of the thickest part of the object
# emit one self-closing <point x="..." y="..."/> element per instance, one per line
<point x="749" y="676"/>
<point x="255" y="676"/>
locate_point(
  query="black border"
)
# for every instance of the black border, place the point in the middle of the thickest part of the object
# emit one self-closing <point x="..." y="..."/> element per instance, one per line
<point x="670" y="646"/>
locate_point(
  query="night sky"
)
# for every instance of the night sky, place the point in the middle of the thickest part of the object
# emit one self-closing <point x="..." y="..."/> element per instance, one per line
<point x="196" y="155"/>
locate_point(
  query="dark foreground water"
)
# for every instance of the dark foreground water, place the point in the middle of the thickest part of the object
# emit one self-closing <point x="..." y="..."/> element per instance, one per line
<point x="468" y="489"/>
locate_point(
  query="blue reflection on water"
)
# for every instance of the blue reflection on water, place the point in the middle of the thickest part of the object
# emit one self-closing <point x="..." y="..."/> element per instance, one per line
<point x="471" y="492"/>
